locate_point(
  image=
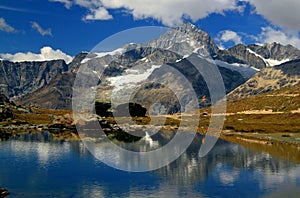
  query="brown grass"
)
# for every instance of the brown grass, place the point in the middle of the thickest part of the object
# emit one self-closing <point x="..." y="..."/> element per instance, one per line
<point x="39" y="116"/>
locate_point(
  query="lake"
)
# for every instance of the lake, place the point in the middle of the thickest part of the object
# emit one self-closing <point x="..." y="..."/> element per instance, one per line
<point x="35" y="166"/>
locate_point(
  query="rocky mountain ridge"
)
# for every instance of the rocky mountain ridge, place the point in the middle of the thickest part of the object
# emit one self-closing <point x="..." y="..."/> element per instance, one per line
<point x="49" y="84"/>
<point x="185" y="40"/>
<point x="21" y="78"/>
<point x="262" y="56"/>
<point x="269" y="79"/>
<point x="57" y="94"/>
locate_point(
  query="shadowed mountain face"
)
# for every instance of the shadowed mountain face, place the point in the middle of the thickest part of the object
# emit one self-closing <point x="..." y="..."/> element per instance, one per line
<point x="57" y="93"/>
<point x="22" y="78"/>
<point x="49" y="84"/>
<point x="276" y="51"/>
<point x="261" y="56"/>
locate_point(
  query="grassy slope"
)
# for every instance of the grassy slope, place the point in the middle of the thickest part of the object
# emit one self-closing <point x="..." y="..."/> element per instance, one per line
<point x="283" y="103"/>
<point x="275" y="129"/>
<point x="284" y="100"/>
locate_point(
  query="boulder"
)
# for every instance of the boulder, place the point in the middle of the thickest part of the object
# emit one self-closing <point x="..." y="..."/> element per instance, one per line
<point x="3" y="192"/>
<point x="5" y="113"/>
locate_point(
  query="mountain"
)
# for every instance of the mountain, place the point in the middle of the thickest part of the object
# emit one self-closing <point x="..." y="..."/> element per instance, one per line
<point x="275" y="52"/>
<point x="57" y="94"/>
<point x="262" y="56"/>
<point x="20" y="78"/>
<point x="138" y="66"/>
<point x="185" y="40"/>
<point x="75" y="63"/>
<point x="158" y="84"/>
<point x="269" y="79"/>
<point x="49" y="83"/>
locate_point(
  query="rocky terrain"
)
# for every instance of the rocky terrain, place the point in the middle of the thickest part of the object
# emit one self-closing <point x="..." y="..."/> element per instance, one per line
<point x="269" y="79"/>
<point x="142" y="73"/>
<point x="262" y="56"/>
<point x="18" y="119"/>
<point x="48" y="84"/>
<point x="57" y="93"/>
<point x="59" y="124"/>
<point x="21" y="78"/>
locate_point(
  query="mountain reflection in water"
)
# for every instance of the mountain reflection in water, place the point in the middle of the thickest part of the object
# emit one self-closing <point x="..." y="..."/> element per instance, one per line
<point x="36" y="166"/>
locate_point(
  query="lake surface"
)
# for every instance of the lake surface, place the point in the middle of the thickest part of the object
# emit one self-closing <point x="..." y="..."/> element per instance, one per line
<point x="35" y="166"/>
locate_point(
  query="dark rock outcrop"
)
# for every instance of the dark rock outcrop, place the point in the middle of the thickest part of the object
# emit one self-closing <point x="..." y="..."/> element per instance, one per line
<point x="3" y="192"/>
<point x="242" y="53"/>
<point x="103" y="109"/>
<point x="5" y="110"/>
<point x="134" y="109"/>
<point x="76" y="62"/>
<point x="4" y="100"/>
<point x="5" y="113"/>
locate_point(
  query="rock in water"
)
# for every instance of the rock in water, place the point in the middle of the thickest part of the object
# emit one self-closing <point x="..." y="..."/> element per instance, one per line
<point x="3" y="192"/>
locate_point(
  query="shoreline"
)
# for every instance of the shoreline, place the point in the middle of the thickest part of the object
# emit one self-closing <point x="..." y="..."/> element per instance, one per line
<point x="280" y="149"/>
<point x="62" y="131"/>
<point x="289" y="151"/>
<point x="62" y="126"/>
<point x="264" y="138"/>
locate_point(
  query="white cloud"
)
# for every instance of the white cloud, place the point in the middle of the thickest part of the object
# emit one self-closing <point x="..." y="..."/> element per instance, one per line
<point x="90" y="4"/>
<point x="228" y="35"/>
<point x="5" y="27"/>
<point x="169" y="12"/>
<point x="283" y="13"/>
<point x="98" y="14"/>
<point x="42" y="31"/>
<point x="46" y="53"/>
<point x="269" y="35"/>
<point x="68" y="3"/>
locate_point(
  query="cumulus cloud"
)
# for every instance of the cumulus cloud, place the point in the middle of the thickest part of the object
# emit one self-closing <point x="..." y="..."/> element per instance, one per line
<point x="281" y="13"/>
<point x="169" y="12"/>
<point x="5" y="27"/>
<point x="42" y="31"/>
<point x="228" y="35"/>
<point x="269" y="35"/>
<point x="46" y="53"/>
<point x="98" y="14"/>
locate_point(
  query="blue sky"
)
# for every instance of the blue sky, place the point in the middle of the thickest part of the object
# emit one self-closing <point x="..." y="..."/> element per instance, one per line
<point x="68" y="27"/>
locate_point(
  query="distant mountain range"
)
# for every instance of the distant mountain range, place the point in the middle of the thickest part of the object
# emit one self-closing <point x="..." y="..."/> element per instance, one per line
<point x="246" y="70"/>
